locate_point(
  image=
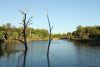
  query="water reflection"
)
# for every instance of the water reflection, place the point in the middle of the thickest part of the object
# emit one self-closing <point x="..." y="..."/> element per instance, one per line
<point x="62" y="54"/>
<point x="85" y="44"/>
<point x="9" y="53"/>
<point x="24" y="60"/>
<point x="48" y="60"/>
<point x="8" y="49"/>
<point x="1" y="50"/>
<point x="19" y="59"/>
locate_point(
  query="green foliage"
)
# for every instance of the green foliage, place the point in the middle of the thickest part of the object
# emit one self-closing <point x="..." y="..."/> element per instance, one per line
<point x="60" y="36"/>
<point x="11" y="33"/>
<point x="88" y="32"/>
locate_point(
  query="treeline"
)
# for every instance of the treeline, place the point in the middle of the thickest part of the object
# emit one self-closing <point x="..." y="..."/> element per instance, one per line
<point x="9" y="32"/>
<point x="85" y="33"/>
<point x="60" y="36"/>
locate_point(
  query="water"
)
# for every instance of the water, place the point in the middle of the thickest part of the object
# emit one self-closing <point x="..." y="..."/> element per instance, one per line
<point x="63" y="53"/>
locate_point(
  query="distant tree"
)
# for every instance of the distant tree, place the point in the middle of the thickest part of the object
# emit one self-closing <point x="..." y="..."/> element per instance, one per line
<point x="7" y="30"/>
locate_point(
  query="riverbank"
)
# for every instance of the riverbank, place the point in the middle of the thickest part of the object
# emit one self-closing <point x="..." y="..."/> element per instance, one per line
<point x="28" y="40"/>
<point x="89" y="41"/>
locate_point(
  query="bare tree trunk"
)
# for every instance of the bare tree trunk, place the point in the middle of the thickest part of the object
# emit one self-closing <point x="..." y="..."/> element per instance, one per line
<point x="50" y="39"/>
<point x="25" y="38"/>
<point x="25" y="24"/>
<point x="49" y="44"/>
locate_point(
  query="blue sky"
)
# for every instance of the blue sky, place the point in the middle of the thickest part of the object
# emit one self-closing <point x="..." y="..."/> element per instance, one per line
<point x="65" y="15"/>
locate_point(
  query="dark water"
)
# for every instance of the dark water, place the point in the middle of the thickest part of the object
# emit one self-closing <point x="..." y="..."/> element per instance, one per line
<point x="62" y="54"/>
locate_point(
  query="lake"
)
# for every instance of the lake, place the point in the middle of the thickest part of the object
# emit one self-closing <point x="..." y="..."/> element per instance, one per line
<point x="63" y="53"/>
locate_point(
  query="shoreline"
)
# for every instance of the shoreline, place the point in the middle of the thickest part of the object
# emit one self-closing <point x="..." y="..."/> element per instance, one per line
<point x="89" y="41"/>
<point x="28" y="40"/>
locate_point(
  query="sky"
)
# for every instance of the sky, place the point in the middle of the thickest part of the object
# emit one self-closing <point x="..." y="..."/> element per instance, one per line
<point x="65" y="15"/>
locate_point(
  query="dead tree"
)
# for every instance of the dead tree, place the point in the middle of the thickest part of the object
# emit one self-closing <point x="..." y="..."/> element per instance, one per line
<point x="25" y="23"/>
<point x="50" y="35"/>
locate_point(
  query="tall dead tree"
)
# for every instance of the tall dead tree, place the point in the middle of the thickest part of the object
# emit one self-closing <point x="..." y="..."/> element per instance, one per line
<point x="25" y="23"/>
<point x="50" y="38"/>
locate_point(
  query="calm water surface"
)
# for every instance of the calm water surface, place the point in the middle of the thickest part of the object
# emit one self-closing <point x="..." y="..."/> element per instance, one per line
<point x="63" y="53"/>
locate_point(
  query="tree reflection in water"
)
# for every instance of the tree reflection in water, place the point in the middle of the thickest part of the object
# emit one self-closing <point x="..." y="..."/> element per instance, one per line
<point x="7" y="49"/>
<point x="48" y="60"/>
<point x="1" y="50"/>
<point x="17" y="53"/>
<point x="22" y="58"/>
